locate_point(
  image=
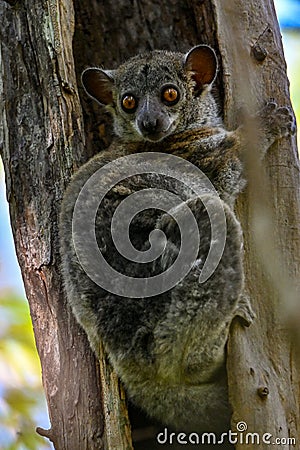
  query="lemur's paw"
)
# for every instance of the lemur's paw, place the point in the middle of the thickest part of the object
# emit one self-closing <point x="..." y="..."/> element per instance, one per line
<point x="279" y="121"/>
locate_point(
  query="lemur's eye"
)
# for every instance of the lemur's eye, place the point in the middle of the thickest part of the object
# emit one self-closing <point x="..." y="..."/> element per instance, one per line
<point x="129" y="103"/>
<point x="170" y="95"/>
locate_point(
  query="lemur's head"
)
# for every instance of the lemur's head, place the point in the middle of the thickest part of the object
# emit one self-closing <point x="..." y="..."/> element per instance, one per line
<point x="154" y="95"/>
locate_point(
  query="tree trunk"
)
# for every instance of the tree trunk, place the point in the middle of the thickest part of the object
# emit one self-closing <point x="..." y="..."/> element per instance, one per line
<point x="42" y="142"/>
<point x="263" y="358"/>
<point x="47" y="133"/>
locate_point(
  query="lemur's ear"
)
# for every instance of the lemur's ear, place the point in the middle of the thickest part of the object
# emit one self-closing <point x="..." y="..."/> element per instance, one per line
<point x="98" y="84"/>
<point x="202" y="62"/>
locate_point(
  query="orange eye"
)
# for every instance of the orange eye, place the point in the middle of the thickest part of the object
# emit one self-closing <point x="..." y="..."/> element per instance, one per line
<point x="129" y="103"/>
<point x="170" y="95"/>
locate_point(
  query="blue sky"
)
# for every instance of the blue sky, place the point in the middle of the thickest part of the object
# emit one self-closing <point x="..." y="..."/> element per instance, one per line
<point x="10" y="275"/>
<point x="288" y="12"/>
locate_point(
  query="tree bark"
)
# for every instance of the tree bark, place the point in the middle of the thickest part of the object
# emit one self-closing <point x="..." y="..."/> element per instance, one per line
<point x="263" y="358"/>
<point x="42" y="142"/>
<point x="46" y="133"/>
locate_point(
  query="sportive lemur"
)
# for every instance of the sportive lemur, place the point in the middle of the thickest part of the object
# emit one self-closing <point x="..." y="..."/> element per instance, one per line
<point x="169" y="349"/>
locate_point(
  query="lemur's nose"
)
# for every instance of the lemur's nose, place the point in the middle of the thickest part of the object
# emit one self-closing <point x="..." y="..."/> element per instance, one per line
<point x="149" y="124"/>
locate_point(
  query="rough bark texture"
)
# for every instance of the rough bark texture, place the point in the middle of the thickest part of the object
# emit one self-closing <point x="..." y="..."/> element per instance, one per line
<point x="42" y="142"/>
<point x="45" y="136"/>
<point x="262" y="358"/>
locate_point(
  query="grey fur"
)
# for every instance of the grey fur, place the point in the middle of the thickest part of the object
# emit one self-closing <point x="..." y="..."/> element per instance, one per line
<point x="168" y="350"/>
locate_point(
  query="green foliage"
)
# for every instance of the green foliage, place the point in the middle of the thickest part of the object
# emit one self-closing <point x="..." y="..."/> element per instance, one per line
<point x="21" y="395"/>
